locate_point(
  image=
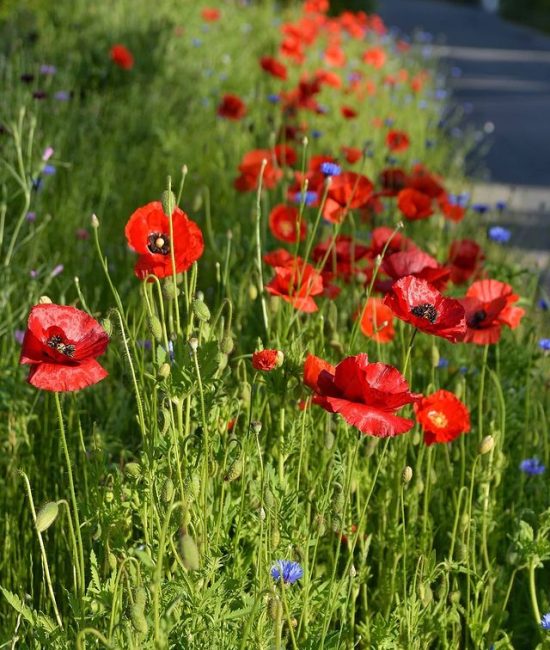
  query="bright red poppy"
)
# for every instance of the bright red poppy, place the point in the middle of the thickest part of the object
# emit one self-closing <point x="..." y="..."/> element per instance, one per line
<point x="334" y="56"/>
<point x="414" y="205"/>
<point x="367" y="395"/>
<point x="377" y="321"/>
<point x="419" y="303"/>
<point x="345" y="253"/>
<point x="61" y="345"/>
<point x="489" y="304"/>
<point x="417" y="263"/>
<point x="376" y="57"/>
<point x="273" y="67"/>
<point x="328" y="78"/>
<point x="211" y="14"/>
<point x="148" y="234"/>
<point x="451" y="211"/>
<point x="122" y="57"/>
<point x="232" y="107"/>
<point x="397" y="141"/>
<point x="442" y="416"/>
<point x="283" y="223"/>
<point x="347" y="191"/>
<point x="352" y="154"/>
<point x="383" y="236"/>
<point x="465" y="260"/>
<point x="393" y="180"/>
<point x="267" y="360"/>
<point x="250" y="169"/>
<point x="280" y="257"/>
<point x="297" y="283"/>
<point x="422" y="180"/>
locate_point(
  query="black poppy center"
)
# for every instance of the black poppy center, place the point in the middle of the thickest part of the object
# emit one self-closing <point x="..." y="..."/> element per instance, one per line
<point x="56" y="343"/>
<point x="159" y="243"/>
<point x="477" y="318"/>
<point x="425" y="310"/>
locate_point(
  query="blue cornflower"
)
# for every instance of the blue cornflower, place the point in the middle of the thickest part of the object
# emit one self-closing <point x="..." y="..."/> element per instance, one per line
<point x="440" y="94"/>
<point x="389" y="121"/>
<point x="273" y="99"/>
<point x="499" y="234"/>
<point x="49" y="170"/>
<point x="480" y="208"/>
<point x="459" y="199"/>
<point x="288" y="570"/>
<point x="308" y="198"/>
<point x="62" y="96"/>
<point x="500" y="205"/>
<point x="331" y="169"/>
<point x="532" y="466"/>
<point x="443" y="362"/>
<point x="545" y="621"/>
<point x="544" y="344"/>
<point x="316" y="134"/>
<point x="30" y="216"/>
<point x="543" y="304"/>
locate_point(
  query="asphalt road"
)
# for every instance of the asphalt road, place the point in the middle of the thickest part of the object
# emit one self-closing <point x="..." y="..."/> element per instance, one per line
<point x="505" y="75"/>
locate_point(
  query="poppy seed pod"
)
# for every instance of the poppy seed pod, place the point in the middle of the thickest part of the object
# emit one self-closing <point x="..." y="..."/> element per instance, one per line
<point x="46" y="516"/>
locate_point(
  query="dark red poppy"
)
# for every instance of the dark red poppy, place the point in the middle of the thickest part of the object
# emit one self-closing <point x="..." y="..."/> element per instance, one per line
<point x="451" y="211"/>
<point x="267" y="360"/>
<point x="348" y="112"/>
<point x="285" y="155"/>
<point x="61" y="345"/>
<point x="419" y="303"/>
<point x="367" y="395"/>
<point x="297" y="283"/>
<point x="122" y="57"/>
<point x="442" y="416"/>
<point x="375" y="56"/>
<point x="397" y="141"/>
<point x="211" y="14"/>
<point x="346" y="192"/>
<point x="465" y="260"/>
<point x="489" y="304"/>
<point x="273" y="67"/>
<point x="345" y="254"/>
<point x="397" y="242"/>
<point x="416" y="263"/>
<point x="232" y="107"/>
<point x="283" y="223"/>
<point x="377" y="320"/>
<point x="422" y="180"/>
<point x="148" y="233"/>
<point x="414" y="205"/>
<point x="250" y="169"/>
<point x="352" y="154"/>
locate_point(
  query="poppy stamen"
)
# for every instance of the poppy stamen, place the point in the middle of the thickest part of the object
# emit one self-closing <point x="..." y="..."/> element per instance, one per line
<point x="56" y="343"/>
<point x="159" y="243"/>
<point x="438" y="419"/>
<point x="477" y="318"/>
<point x="425" y="310"/>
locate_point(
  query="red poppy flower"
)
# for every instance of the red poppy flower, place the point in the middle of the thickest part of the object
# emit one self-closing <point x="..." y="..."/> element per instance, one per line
<point x="61" y="345"/>
<point x="297" y="283"/>
<point x="375" y="56"/>
<point x="122" y="57"/>
<point x="442" y="416"/>
<point x="285" y="155"/>
<point x="348" y="112"/>
<point x="393" y="180"/>
<point x="280" y="257"/>
<point x="347" y="191"/>
<point x="397" y="242"/>
<point x="397" y="141"/>
<point x="267" y="360"/>
<point x="250" y="169"/>
<point x="451" y="211"/>
<point x="148" y="233"/>
<point x="232" y="107"/>
<point x="211" y="14"/>
<point x="377" y="321"/>
<point x="416" y="263"/>
<point x="335" y="56"/>
<point x="465" y="260"/>
<point x="489" y="304"/>
<point x="316" y="6"/>
<point x="419" y="303"/>
<point x="273" y="67"/>
<point x="414" y="205"/>
<point x="328" y="78"/>
<point x="422" y="180"/>
<point x="352" y="154"/>
<point x="367" y="395"/>
<point x="344" y="256"/>
<point x="283" y="223"/>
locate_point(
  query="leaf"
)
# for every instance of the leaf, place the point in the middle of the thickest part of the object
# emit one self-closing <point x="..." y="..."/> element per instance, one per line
<point x="19" y="606"/>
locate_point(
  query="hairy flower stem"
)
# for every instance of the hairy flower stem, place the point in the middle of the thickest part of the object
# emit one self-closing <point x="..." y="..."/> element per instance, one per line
<point x="482" y="393"/>
<point x="171" y="208"/>
<point x="259" y="266"/>
<point x="43" y="553"/>
<point x="80" y="563"/>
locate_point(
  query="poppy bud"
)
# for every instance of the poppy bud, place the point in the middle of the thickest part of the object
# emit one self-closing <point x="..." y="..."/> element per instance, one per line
<point x="435" y="356"/>
<point x="194" y="344"/>
<point x="226" y="344"/>
<point x="111" y="559"/>
<point x="138" y="620"/>
<point x="252" y="292"/>
<point x="464" y="522"/>
<point x="197" y="202"/>
<point x="407" y="474"/>
<point x="140" y="599"/>
<point x="189" y="552"/>
<point x="275" y="535"/>
<point x="256" y="426"/>
<point x="170" y="290"/>
<point x="261" y="513"/>
<point x="454" y="597"/>
<point x="329" y="439"/>
<point x="168" y="201"/>
<point x="235" y="470"/>
<point x="132" y="469"/>
<point x="164" y="371"/>
<point x="275" y="608"/>
<point x="320" y="524"/>
<point x="195" y="485"/>
<point x="94" y="221"/>
<point x="352" y="571"/>
<point x="269" y="499"/>
<point x="486" y="445"/>
<point x="156" y="327"/>
<point x="46" y="516"/>
<point x="168" y="490"/>
<point x="338" y="500"/>
<point x="201" y="311"/>
<point x="107" y="325"/>
<point x="44" y="300"/>
<point x="245" y="393"/>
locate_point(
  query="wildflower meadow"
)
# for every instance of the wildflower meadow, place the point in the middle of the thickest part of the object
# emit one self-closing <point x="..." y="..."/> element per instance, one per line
<point x="269" y="378"/>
